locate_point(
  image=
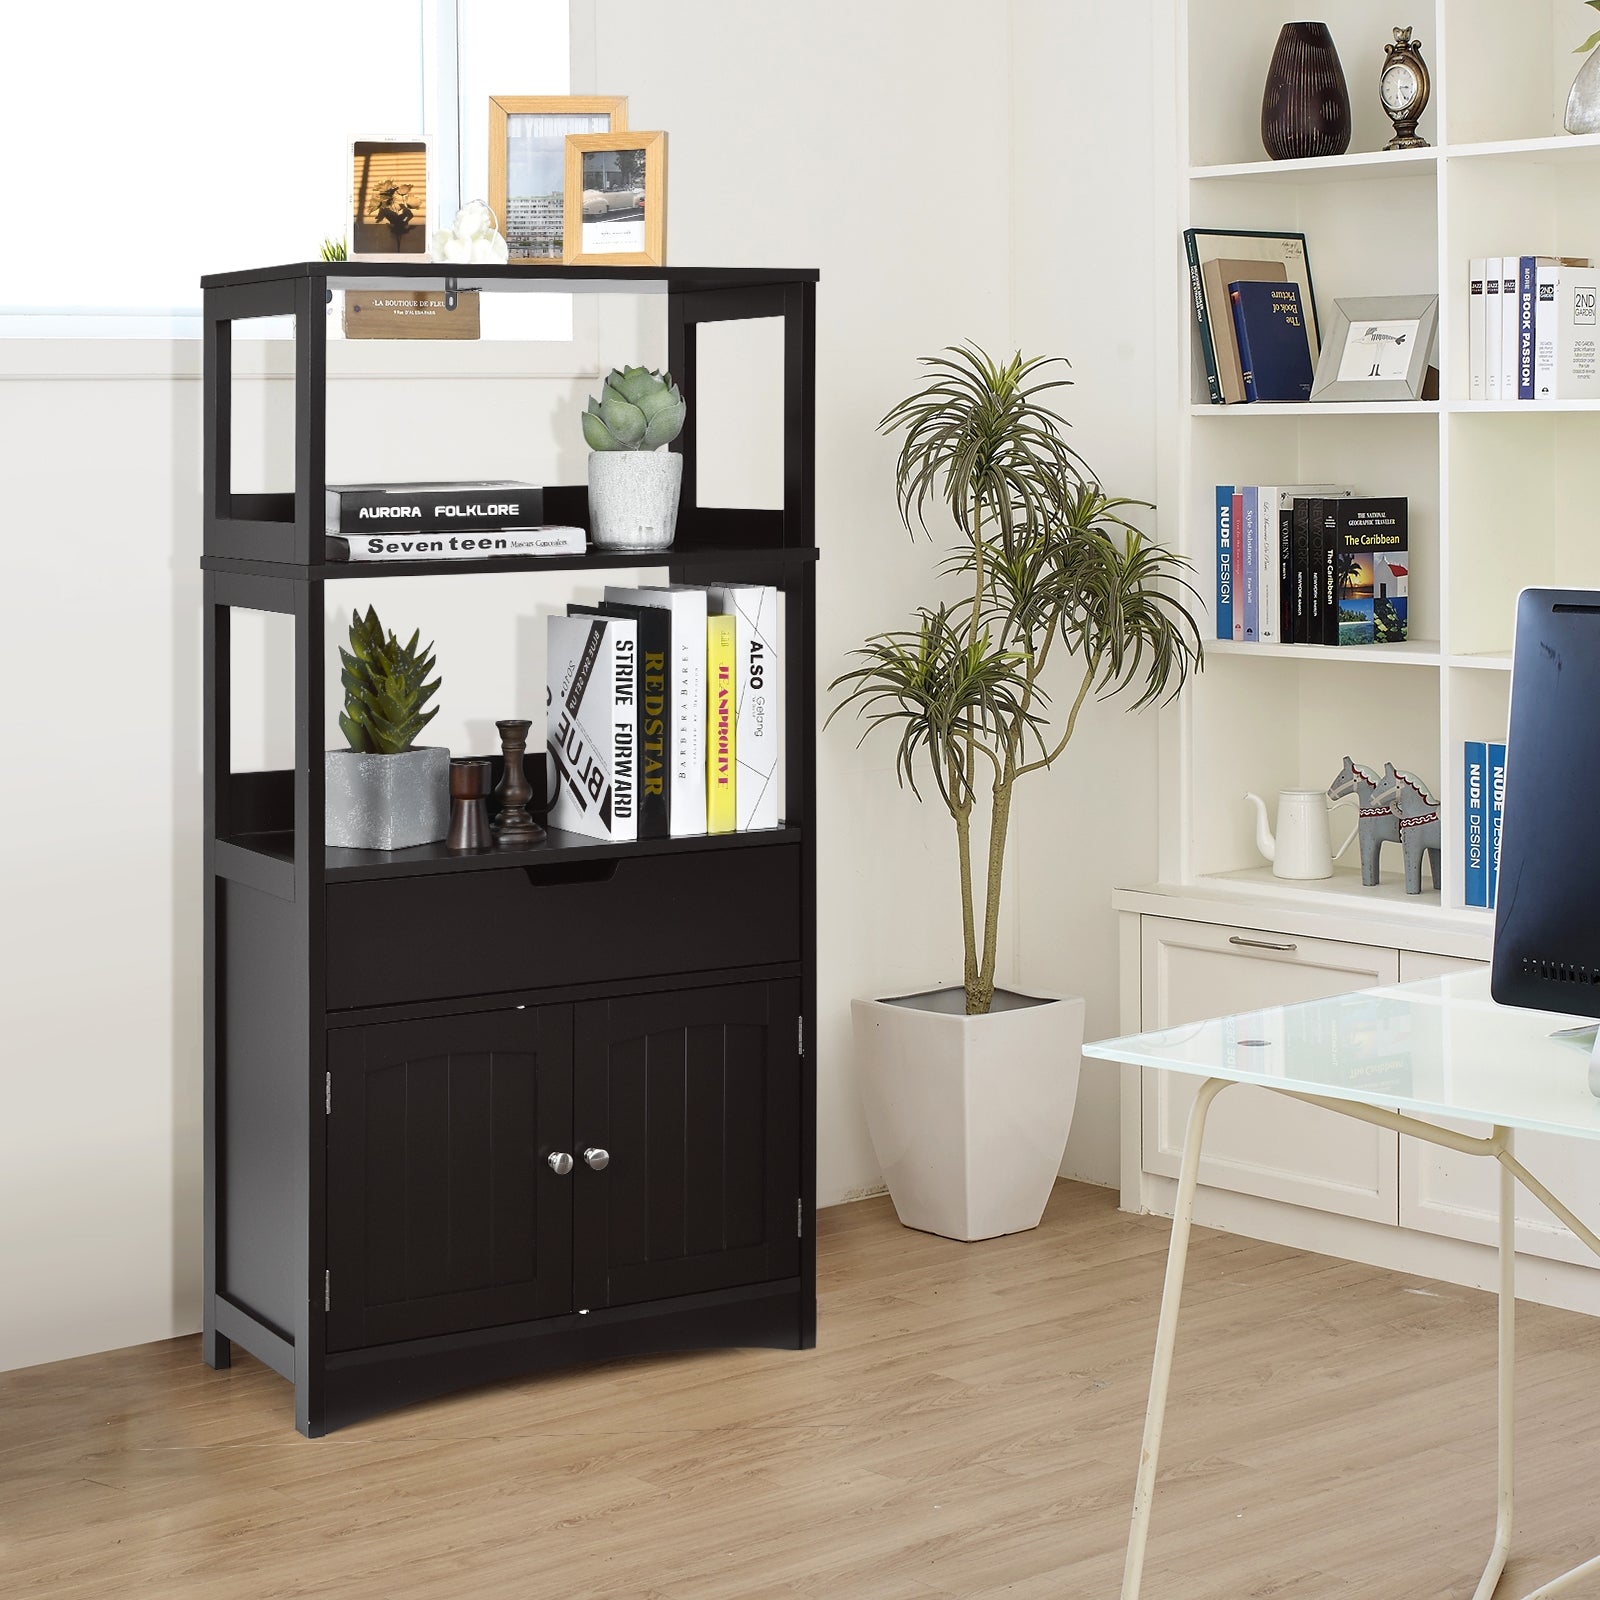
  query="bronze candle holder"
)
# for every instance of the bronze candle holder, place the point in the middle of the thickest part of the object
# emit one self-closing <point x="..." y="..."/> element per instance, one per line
<point x="513" y="827"/>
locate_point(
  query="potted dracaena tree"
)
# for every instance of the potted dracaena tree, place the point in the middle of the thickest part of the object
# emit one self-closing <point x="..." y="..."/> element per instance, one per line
<point x="386" y="791"/>
<point x="969" y="1090"/>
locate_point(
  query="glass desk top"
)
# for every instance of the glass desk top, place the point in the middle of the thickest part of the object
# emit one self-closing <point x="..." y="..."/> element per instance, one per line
<point x="1438" y="1048"/>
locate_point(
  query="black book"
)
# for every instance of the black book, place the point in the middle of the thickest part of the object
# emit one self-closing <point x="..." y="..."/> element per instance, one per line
<point x="1328" y="524"/>
<point x="655" y="710"/>
<point x="1305" y="590"/>
<point x="484" y="507"/>
<point x="1286" y="573"/>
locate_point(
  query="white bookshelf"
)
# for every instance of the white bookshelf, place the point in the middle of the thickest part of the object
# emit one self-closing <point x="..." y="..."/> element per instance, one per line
<point x="1501" y="495"/>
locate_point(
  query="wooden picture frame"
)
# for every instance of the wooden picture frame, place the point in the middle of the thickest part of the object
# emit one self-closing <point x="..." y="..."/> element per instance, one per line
<point x="536" y="235"/>
<point x="632" y="236"/>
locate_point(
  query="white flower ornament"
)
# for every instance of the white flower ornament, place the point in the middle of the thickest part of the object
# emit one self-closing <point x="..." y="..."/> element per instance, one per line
<point x="473" y="238"/>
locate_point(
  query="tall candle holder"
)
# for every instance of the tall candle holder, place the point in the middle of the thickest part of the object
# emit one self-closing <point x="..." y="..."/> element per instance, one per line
<point x="513" y="827"/>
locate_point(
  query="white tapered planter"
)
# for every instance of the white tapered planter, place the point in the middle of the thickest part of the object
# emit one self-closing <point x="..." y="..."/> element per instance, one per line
<point x="969" y="1116"/>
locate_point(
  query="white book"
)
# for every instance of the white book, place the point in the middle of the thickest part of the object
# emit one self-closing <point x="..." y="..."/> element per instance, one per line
<point x="1578" y="334"/>
<point x="688" y="609"/>
<point x="1477" y="272"/>
<point x="1269" y="591"/>
<point x="455" y="546"/>
<point x="1491" y="328"/>
<point x="758" y="718"/>
<point x="1510" y="325"/>
<point x="592" y="725"/>
<point x="1546" y="327"/>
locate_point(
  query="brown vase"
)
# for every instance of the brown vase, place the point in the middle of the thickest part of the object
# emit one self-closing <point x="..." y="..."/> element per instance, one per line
<point x="469" y="805"/>
<point x="1305" y="107"/>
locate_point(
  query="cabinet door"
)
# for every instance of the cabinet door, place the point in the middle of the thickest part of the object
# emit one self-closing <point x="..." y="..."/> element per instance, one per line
<point x="443" y="1211"/>
<point x="1445" y="1192"/>
<point x="1259" y="1143"/>
<point x="695" y="1097"/>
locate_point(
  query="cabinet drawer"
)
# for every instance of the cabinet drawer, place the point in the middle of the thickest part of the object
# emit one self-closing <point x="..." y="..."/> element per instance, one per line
<point x="455" y="934"/>
<point x="1259" y="1143"/>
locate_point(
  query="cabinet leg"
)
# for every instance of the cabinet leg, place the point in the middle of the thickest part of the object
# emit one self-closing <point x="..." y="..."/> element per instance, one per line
<point x="216" y="1349"/>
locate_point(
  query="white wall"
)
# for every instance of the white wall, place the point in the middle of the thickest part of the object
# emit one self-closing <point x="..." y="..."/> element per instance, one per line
<point x="886" y="135"/>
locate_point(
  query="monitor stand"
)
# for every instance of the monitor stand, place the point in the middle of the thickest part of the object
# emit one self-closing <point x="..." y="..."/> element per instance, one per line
<point x="1586" y="1038"/>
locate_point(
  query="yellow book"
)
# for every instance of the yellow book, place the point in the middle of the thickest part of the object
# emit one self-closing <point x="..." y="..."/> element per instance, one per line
<point x="722" y="709"/>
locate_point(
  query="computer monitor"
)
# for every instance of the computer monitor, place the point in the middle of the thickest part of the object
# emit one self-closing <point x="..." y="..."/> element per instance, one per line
<point x="1547" y="904"/>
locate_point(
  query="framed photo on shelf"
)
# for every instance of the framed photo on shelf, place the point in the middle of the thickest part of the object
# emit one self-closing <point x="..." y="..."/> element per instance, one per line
<point x="1377" y="348"/>
<point x="528" y="163"/>
<point x="616" y="194"/>
<point x="389" y="200"/>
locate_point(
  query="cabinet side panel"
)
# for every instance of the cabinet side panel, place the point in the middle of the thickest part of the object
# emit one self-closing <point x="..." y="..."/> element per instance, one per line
<point x="262" y="1095"/>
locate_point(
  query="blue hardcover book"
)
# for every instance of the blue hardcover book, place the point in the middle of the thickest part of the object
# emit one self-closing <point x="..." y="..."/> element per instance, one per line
<point x="1273" y="348"/>
<point x="1475" y="792"/>
<point x="1224" y="560"/>
<point x="1250" y="555"/>
<point x="1527" y="297"/>
<point x="1497" y="814"/>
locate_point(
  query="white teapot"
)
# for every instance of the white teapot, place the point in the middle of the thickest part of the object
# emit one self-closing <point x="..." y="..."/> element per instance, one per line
<point x="1303" y="845"/>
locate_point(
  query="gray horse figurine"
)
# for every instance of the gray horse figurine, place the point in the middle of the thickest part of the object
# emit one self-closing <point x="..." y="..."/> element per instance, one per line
<point x="1419" y="822"/>
<point x="1378" y="825"/>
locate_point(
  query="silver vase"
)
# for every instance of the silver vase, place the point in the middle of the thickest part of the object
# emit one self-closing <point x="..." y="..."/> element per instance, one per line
<point x="1583" y="103"/>
<point x="377" y="802"/>
<point x="633" y="498"/>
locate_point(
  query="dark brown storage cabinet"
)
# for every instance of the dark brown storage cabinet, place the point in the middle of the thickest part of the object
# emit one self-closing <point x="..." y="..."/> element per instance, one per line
<point x="576" y="1119"/>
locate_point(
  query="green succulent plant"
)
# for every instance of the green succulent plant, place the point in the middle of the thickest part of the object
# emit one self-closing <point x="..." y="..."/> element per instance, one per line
<point x="637" y="410"/>
<point x="335" y="250"/>
<point x="384" y="688"/>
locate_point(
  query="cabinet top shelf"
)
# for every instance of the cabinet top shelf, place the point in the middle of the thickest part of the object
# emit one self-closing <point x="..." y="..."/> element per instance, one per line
<point x="516" y="277"/>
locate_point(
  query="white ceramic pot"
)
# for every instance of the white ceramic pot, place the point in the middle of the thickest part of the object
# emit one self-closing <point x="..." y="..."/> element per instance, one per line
<point x="376" y="802"/>
<point x="633" y="498"/>
<point x="969" y="1116"/>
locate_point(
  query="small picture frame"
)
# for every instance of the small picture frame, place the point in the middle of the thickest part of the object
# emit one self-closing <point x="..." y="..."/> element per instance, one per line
<point x="389" y="216"/>
<point x="616" y="199"/>
<point x="528" y="163"/>
<point x="1377" y="348"/>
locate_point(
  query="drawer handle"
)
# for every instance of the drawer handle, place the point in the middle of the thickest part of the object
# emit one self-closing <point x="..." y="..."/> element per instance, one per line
<point x="1261" y="944"/>
<point x="560" y="1162"/>
<point x="598" y="1160"/>
<point x="543" y="873"/>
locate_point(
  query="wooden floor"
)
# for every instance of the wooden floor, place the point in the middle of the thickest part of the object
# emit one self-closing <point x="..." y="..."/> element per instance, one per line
<point x="968" y="1426"/>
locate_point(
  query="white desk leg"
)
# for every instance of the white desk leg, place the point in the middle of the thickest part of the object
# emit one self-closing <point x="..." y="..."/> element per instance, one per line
<point x="1507" y="1373"/>
<point x="1166" y="1337"/>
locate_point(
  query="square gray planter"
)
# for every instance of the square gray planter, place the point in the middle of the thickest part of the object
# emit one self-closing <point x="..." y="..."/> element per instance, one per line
<point x="376" y="802"/>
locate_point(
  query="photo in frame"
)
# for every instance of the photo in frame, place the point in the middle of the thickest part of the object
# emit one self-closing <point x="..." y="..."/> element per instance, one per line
<point x="616" y="199"/>
<point x="389" y="200"/>
<point x="1377" y="348"/>
<point x="528" y="163"/>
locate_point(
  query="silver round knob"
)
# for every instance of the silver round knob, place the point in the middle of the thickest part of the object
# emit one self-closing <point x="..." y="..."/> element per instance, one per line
<point x="598" y="1159"/>
<point x="560" y="1163"/>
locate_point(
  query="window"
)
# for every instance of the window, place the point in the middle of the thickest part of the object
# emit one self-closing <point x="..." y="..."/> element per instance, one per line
<point x="146" y="147"/>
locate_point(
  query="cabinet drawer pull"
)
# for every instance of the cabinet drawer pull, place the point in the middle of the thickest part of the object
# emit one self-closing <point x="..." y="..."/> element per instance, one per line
<point x="560" y="1162"/>
<point x="540" y="873"/>
<point x="1261" y="944"/>
<point x="598" y="1160"/>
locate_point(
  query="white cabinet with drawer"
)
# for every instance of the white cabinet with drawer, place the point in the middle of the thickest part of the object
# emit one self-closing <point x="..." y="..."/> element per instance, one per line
<point x="1259" y="1143"/>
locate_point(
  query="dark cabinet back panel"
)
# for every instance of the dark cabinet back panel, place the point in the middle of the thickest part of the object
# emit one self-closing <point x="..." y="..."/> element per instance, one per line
<point x="695" y="1096"/>
<point x="392" y="940"/>
<point x="443" y="1213"/>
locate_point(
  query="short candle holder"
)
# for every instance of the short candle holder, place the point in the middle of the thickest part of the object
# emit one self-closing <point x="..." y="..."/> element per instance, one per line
<point x="469" y="806"/>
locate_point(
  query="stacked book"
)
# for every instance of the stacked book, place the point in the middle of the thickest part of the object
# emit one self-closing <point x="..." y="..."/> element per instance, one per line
<point x="1311" y="564"/>
<point x="665" y="712"/>
<point x="1532" y="328"/>
<point x="442" y="522"/>
<point x="1255" y="313"/>
<point x="1484" y="802"/>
